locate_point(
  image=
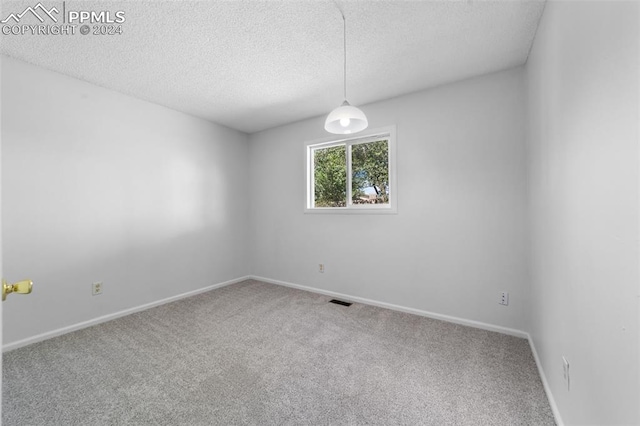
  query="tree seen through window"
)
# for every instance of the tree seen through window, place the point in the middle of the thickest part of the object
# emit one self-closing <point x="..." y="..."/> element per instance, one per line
<point x="369" y="170"/>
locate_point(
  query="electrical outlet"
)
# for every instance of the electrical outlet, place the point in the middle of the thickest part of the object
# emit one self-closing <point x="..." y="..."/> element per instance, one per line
<point x="565" y="368"/>
<point x="321" y="268"/>
<point x="504" y="298"/>
<point x="96" y="289"/>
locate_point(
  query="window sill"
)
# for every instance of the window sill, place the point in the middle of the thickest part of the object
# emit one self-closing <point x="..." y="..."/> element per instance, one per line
<point x="351" y="210"/>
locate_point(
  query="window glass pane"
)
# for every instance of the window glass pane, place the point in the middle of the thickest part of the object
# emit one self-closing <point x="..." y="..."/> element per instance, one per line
<point x="330" y="176"/>
<point x="370" y="172"/>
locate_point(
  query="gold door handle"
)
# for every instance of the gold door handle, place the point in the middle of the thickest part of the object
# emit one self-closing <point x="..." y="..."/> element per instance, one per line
<point x="21" y="287"/>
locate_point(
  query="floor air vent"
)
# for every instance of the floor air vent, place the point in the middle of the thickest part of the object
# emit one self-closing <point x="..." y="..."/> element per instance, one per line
<point x="340" y="302"/>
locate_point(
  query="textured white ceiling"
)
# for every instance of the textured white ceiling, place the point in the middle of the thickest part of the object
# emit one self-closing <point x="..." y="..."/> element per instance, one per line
<point x="252" y="65"/>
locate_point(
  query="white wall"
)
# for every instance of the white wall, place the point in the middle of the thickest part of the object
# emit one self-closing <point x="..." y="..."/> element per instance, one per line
<point x="459" y="237"/>
<point x="1" y="268"/>
<point x="583" y="97"/>
<point x="99" y="186"/>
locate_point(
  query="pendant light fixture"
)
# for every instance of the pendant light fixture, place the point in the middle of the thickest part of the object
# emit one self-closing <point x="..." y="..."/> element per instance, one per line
<point x="346" y="118"/>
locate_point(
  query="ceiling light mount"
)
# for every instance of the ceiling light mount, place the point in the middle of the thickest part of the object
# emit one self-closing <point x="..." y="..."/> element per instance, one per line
<point x="345" y="119"/>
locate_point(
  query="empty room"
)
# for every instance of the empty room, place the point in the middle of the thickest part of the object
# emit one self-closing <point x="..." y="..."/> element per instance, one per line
<point x="319" y="212"/>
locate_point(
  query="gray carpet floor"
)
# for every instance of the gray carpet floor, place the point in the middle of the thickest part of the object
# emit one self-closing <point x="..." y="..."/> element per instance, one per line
<point x="260" y="354"/>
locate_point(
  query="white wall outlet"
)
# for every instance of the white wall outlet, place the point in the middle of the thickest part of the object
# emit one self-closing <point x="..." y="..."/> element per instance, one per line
<point x="504" y="298"/>
<point x="96" y="289"/>
<point x="565" y="368"/>
<point x="321" y="268"/>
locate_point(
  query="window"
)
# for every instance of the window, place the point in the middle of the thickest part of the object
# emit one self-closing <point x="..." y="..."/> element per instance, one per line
<point x="354" y="175"/>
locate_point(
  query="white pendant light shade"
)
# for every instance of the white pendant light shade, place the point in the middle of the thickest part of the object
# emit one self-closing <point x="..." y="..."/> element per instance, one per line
<point x="346" y="119"/>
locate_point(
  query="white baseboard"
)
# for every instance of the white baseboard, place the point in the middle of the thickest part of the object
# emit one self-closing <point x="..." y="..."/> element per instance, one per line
<point x="109" y="317"/>
<point x="448" y="318"/>
<point x="545" y="384"/>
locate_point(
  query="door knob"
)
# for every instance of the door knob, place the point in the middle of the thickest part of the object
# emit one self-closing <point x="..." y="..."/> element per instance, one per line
<point x="21" y="287"/>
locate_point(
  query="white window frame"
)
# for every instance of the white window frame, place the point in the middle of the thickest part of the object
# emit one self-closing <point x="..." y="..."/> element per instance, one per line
<point x="388" y="133"/>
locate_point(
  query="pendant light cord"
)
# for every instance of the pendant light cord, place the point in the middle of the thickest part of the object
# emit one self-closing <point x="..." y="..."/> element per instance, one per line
<point x="344" y="33"/>
<point x="344" y="21"/>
